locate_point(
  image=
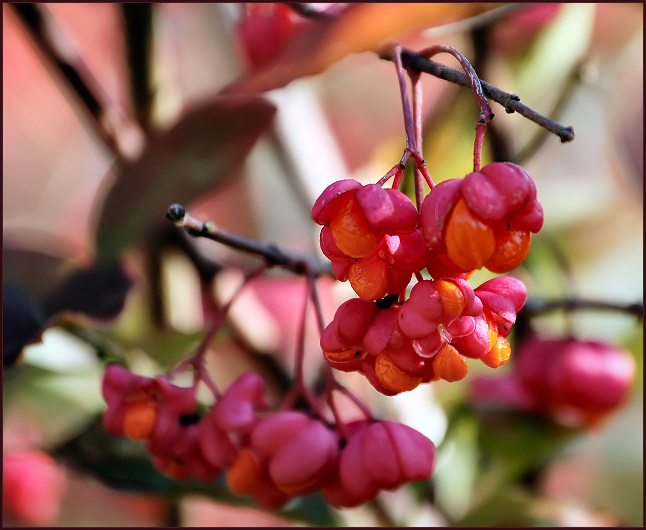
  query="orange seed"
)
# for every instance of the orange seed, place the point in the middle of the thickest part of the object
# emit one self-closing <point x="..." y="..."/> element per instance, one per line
<point x="392" y="377"/>
<point x="451" y="296"/>
<point x="512" y="247"/>
<point x="449" y="364"/>
<point x="139" y="420"/>
<point x="350" y="229"/>
<point x="470" y="242"/>
<point x="499" y="354"/>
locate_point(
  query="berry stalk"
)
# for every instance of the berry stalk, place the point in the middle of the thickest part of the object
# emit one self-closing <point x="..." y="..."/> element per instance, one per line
<point x="413" y="127"/>
<point x="197" y="360"/>
<point x="510" y="102"/>
<point x="485" y="110"/>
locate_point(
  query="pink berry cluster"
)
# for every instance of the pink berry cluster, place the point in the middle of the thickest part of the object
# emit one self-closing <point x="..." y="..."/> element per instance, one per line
<point x="378" y="241"/>
<point x="578" y="383"/>
<point x="270" y="455"/>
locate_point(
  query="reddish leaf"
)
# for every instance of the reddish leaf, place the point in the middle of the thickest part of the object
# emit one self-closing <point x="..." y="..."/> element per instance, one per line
<point x="358" y="28"/>
<point x="206" y="147"/>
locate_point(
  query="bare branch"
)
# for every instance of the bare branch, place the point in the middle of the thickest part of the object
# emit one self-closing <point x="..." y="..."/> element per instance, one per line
<point x="46" y="36"/>
<point x="273" y="256"/>
<point x="535" y="307"/>
<point x="510" y="102"/>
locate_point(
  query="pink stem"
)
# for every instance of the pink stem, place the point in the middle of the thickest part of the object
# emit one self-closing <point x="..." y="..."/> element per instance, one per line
<point x="477" y="146"/>
<point x="421" y="165"/>
<point x="417" y="107"/>
<point x="300" y="341"/>
<point x="360" y="405"/>
<point x="420" y="175"/>
<point x="409" y="126"/>
<point x="395" y="170"/>
<point x="335" y="412"/>
<point x="485" y="110"/>
<point x="197" y="360"/>
<point x="311" y="278"/>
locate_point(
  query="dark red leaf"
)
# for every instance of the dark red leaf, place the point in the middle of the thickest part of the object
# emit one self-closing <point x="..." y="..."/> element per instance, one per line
<point x="206" y="147"/>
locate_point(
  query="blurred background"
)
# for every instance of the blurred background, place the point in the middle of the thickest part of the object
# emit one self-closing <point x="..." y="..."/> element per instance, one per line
<point x="92" y="270"/>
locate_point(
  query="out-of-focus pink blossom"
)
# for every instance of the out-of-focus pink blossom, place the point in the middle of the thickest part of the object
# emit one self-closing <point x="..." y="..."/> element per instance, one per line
<point x="33" y="486"/>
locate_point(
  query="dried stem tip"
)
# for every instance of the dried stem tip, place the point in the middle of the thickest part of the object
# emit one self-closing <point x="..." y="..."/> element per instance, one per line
<point x="176" y="213"/>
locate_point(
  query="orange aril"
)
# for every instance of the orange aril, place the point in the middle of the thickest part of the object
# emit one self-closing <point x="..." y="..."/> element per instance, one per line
<point x="499" y="354"/>
<point x="451" y="296"/>
<point x="341" y="356"/>
<point x="449" y="364"/>
<point x="139" y="420"/>
<point x="244" y="476"/>
<point x="492" y="330"/>
<point x="174" y="469"/>
<point x="350" y="229"/>
<point x="392" y="377"/>
<point x="470" y="242"/>
<point x="512" y="247"/>
<point x="298" y="489"/>
<point x="370" y="278"/>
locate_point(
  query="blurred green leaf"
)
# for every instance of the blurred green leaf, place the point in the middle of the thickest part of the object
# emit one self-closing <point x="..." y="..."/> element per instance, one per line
<point x="448" y="143"/>
<point x="456" y="468"/>
<point x="523" y="442"/>
<point x="513" y="449"/>
<point x="554" y="54"/>
<point x="634" y="343"/>
<point x="510" y="506"/>
<point x="168" y="349"/>
<point x="206" y="147"/>
<point x="116" y="462"/>
<point x="37" y="286"/>
<point x="312" y="509"/>
<point x="59" y="405"/>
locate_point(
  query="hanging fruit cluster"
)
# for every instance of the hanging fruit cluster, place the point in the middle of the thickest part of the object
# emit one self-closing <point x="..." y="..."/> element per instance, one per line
<point x="270" y="455"/>
<point x="378" y="240"/>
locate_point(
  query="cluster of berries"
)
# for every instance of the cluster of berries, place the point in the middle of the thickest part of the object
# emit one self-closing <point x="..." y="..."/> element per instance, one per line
<point x="269" y="455"/>
<point x="378" y="240"/>
<point x="577" y="383"/>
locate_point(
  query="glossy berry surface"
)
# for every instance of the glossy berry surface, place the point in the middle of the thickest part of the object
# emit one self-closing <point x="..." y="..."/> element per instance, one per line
<point x="484" y="220"/>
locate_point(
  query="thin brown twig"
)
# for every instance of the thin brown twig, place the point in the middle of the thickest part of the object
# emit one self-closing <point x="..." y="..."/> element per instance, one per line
<point x="273" y="256"/>
<point x="73" y="71"/>
<point x="511" y="102"/>
<point x="417" y="62"/>
<point x="537" y="307"/>
<point x="138" y="30"/>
